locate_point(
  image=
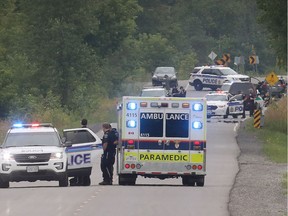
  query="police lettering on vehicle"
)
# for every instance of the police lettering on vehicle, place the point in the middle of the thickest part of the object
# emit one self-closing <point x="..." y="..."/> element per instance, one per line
<point x="79" y="159"/>
<point x="209" y="80"/>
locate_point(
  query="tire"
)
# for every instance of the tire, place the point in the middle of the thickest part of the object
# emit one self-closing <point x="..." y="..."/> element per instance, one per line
<point x="200" y="181"/>
<point x="188" y="181"/>
<point x="127" y="179"/>
<point x="63" y="182"/>
<point x="198" y="85"/>
<point x="86" y="180"/>
<point x="227" y="113"/>
<point x="235" y="116"/>
<point x="4" y="184"/>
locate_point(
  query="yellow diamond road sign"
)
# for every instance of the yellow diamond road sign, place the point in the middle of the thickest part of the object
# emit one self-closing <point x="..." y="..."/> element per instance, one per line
<point x="272" y="78"/>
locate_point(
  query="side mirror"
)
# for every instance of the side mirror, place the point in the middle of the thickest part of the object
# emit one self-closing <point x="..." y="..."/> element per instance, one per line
<point x="68" y="144"/>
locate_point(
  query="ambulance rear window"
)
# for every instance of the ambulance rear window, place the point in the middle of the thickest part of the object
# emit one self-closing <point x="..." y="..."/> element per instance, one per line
<point x="177" y="125"/>
<point x="151" y="124"/>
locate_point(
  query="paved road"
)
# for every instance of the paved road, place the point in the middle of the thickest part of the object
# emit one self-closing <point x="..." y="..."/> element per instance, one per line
<point x="148" y="197"/>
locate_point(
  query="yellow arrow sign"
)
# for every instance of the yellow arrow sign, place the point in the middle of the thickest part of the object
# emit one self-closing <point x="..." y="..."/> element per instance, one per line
<point x="272" y="78"/>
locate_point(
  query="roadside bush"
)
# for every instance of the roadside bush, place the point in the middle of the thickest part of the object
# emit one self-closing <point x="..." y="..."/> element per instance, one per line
<point x="276" y="116"/>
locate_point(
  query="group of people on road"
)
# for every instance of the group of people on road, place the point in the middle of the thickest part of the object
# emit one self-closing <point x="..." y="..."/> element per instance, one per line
<point x="178" y="92"/>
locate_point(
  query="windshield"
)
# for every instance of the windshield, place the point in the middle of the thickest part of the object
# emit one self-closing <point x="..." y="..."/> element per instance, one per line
<point x="228" y="71"/>
<point x="153" y="93"/>
<point x="164" y="70"/>
<point x="32" y="139"/>
<point x="244" y="88"/>
<point x="216" y="97"/>
<point x="225" y="87"/>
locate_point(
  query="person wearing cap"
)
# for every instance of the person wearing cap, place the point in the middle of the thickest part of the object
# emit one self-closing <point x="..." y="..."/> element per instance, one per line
<point x="108" y="156"/>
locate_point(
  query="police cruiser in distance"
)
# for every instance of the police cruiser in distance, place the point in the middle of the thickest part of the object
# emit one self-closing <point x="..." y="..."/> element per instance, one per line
<point x="32" y="152"/>
<point x="214" y="76"/>
<point x="221" y="104"/>
<point x="162" y="137"/>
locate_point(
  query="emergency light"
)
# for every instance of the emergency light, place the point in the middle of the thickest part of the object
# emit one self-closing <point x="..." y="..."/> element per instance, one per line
<point x="197" y="107"/>
<point x="131" y="124"/>
<point x="18" y="125"/>
<point x="197" y="125"/>
<point x="131" y="106"/>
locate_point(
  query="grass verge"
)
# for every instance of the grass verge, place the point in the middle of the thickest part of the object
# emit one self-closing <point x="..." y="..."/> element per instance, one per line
<point x="274" y="134"/>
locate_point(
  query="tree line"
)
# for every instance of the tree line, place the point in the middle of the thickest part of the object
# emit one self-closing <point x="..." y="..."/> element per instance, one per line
<point x="65" y="57"/>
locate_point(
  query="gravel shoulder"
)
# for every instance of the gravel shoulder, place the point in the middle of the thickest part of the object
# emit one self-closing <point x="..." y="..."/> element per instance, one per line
<point x="257" y="189"/>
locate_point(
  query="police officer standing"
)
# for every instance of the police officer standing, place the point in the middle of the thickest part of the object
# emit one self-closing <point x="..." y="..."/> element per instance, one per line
<point x="109" y="152"/>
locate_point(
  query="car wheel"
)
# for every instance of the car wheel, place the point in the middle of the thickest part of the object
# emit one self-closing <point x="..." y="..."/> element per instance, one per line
<point x="200" y="181"/>
<point x="235" y="116"/>
<point x="188" y="181"/>
<point x="4" y="184"/>
<point x="63" y="181"/>
<point x="198" y="85"/>
<point x="86" y="180"/>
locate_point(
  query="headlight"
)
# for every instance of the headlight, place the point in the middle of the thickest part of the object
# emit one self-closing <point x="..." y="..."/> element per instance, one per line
<point x="154" y="77"/>
<point x="56" y="155"/>
<point x="173" y="77"/>
<point x="7" y="156"/>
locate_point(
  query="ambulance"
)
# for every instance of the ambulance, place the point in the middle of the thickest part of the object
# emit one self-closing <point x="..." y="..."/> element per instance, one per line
<point x="162" y="138"/>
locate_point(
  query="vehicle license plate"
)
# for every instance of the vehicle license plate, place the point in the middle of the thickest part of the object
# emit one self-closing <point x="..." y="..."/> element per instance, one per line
<point x="31" y="169"/>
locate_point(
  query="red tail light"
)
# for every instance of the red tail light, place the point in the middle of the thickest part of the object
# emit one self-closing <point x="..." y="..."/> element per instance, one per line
<point x="127" y="166"/>
<point x="197" y="143"/>
<point x="132" y="166"/>
<point x="130" y="142"/>
<point x="200" y="167"/>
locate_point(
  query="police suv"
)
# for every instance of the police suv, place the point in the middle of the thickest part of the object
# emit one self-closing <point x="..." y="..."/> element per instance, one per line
<point x="214" y="76"/>
<point x="32" y="152"/>
<point x="221" y="104"/>
<point x="82" y="153"/>
<point x="162" y="137"/>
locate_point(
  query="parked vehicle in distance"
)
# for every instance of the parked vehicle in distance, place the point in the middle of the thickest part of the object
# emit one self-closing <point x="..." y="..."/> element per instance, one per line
<point x="154" y="92"/>
<point x="214" y="76"/>
<point x="163" y="76"/>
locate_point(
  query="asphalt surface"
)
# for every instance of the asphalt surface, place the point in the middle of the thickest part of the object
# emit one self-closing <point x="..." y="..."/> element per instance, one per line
<point x="258" y="188"/>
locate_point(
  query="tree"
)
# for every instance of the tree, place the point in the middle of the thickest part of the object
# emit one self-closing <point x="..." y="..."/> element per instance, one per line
<point x="273" y="15"/>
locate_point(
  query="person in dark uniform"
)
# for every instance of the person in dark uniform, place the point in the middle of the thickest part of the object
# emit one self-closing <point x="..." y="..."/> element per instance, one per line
<point x="182" y="92"/>
<point x="108" y="156"/>
<point x="84" y="123"/>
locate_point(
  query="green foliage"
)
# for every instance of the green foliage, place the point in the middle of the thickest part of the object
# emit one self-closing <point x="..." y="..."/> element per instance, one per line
<point x="273" y="15"/>
<point x="274" y="131"/>
<point x="83" y="52"/>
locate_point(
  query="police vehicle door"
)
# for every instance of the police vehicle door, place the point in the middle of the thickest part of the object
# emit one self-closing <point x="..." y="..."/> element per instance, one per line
<point x="83" y="152"/>
<point x="212" y="77"/>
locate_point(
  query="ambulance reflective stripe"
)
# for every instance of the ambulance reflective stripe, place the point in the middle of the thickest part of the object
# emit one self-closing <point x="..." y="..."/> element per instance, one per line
<point x="170" y="157"/>
<point x="197" y="158"/>
<point x="164" y="157"/>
